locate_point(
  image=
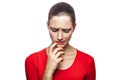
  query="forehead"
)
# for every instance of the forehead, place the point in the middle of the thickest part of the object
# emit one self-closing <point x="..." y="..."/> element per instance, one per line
<point x="61" y="21"/>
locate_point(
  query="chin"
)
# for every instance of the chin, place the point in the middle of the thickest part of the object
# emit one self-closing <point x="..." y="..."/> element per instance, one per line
<point x="60" y="46"/>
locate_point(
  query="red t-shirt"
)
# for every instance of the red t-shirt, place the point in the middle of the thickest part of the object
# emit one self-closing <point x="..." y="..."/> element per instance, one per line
<point x="83" y="67"/>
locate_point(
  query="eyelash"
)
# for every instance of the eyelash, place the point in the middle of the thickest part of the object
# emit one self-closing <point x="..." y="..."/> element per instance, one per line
<point x="54" y="30"/>
<point x="64" y="30"/>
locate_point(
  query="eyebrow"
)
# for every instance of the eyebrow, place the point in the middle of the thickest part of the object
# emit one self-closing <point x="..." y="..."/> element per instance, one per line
<point x="53" y="28"/>
<point x="58" y="28"/>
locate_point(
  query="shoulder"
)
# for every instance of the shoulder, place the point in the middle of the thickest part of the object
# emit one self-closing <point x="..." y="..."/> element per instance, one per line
<point x="85" y="56"/>
<point x="36" y="55"/>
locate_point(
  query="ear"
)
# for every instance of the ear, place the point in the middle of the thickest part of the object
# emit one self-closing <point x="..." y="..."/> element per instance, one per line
<point x="74" y="26"/>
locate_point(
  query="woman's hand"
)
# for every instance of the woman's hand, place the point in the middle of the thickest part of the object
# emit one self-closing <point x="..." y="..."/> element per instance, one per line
<point x="54" y="58"/>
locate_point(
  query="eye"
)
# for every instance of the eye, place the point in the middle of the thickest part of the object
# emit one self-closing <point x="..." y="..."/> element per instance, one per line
<point x="66" y="30"/>
<point x="54" y="29"/>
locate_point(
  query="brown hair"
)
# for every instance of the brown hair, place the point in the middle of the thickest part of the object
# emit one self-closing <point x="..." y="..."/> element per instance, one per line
<point x="62" y="8"/>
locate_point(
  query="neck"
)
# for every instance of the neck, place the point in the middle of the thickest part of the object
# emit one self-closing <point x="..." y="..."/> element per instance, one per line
<point x="68" y="49"/>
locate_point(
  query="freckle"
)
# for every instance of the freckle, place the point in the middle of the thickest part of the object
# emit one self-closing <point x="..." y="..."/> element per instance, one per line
<point x="61" y="60"/>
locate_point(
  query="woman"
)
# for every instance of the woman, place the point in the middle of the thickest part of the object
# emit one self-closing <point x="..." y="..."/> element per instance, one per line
<point x="60" y="61"/>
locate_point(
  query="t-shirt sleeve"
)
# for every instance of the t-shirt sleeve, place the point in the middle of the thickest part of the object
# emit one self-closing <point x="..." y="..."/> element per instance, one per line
<point x="30" y="69"/>
<point x="91" y="71"/>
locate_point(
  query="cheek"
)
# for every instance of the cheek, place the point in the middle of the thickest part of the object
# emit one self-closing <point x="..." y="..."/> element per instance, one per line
<point x="68" y="36"/>
<point x="52" y="36"/>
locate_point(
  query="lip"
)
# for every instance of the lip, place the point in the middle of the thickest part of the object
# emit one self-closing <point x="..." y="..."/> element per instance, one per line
<point x="60" y="42"/>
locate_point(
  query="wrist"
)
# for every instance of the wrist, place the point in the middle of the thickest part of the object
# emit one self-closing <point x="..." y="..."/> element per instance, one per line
<point x="47" y="76"/>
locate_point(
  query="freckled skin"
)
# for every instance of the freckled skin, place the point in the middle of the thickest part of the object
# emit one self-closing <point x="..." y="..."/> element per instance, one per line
<point x="61" y="23"/>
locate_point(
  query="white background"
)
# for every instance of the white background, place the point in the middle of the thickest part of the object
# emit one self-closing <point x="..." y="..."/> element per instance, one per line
<point x="23" y="31"/>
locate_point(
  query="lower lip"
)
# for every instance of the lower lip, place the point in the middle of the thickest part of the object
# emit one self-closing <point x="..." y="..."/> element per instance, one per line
<point x="60" y="43"/>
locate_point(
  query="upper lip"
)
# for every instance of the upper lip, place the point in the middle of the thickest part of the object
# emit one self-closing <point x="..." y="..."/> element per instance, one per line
<point x="60" y="42"/>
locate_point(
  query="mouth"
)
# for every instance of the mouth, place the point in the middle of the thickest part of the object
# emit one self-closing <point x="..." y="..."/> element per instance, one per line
<point x="60" y="42"/>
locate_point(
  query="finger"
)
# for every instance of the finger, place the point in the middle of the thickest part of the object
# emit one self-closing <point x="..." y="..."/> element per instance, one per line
<point x="59" y="54"/>
<point x="60" y="59"/>
<point x="56" y="50"/>
<point x="52" y="47"/>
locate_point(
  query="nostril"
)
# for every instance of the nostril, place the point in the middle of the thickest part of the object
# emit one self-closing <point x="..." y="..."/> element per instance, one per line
<point x="60" y="38"/>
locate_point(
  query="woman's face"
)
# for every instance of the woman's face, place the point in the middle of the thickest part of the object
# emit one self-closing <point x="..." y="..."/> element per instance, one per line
<point x="60" y="29"/>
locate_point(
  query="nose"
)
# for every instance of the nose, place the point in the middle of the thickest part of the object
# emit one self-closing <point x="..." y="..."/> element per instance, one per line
<point x="60" y="35"/>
